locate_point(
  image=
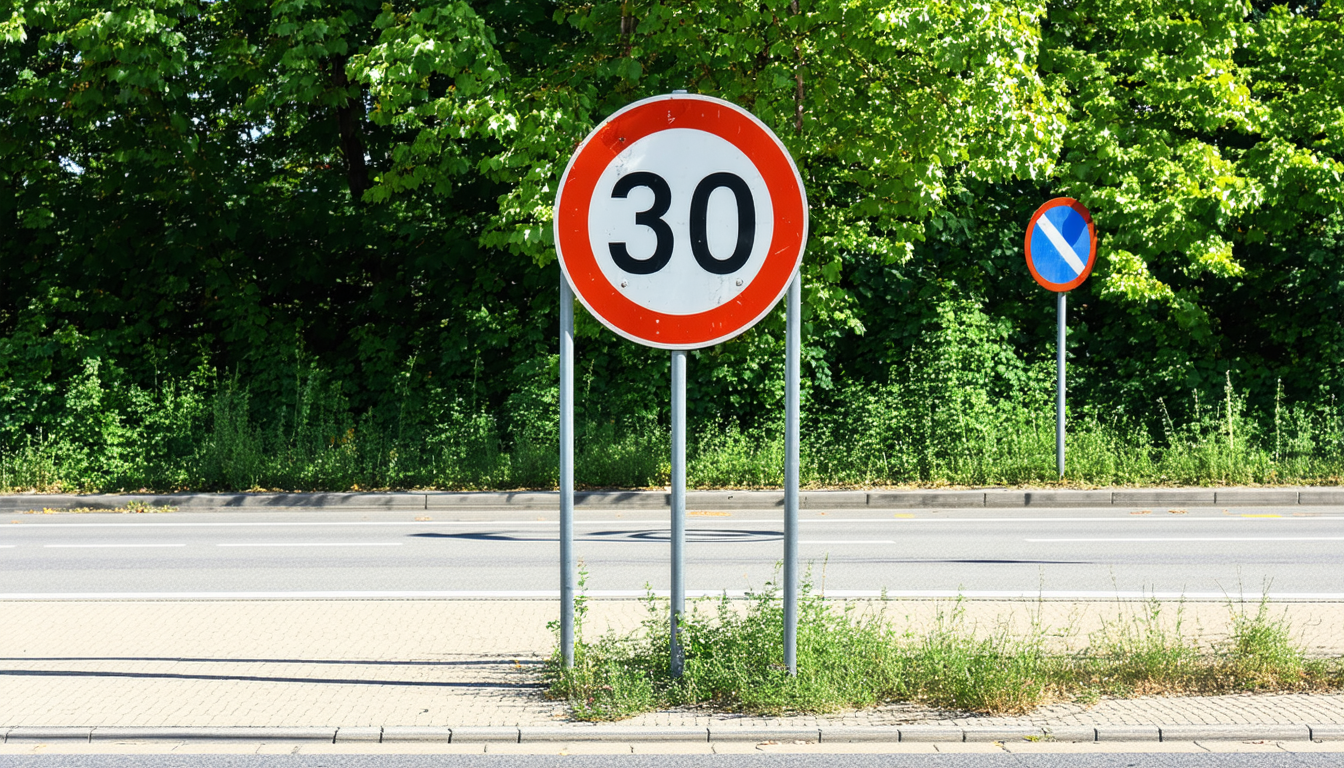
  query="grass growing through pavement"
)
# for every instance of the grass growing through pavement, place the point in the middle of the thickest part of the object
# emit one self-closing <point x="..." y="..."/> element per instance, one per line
<point x="850" y="658"/>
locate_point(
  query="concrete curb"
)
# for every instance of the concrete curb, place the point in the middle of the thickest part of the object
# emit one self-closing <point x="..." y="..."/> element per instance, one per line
<point x="1158" y="498"/>
<point x="1236" y="732"/>
<point x="327" y="735"/>
<point x="550" y="734"/>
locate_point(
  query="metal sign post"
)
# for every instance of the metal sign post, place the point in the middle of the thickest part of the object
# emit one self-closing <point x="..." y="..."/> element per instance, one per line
<point x="678" y="480"/>
<point x="1059" y="388"/>
<point x="680" y="222"/>
<point x="1061" y="249"/>
<point x="792" y="353"/>
<point x="568" y="571"/>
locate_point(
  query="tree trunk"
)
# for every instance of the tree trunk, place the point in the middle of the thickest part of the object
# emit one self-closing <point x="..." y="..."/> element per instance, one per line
<point x="349" y="114"/>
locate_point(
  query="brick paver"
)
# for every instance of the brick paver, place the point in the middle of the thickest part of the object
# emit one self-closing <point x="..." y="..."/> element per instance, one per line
<point x="460" y="663"/>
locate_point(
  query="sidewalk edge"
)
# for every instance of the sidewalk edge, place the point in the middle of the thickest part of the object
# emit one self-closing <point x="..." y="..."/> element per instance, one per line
<point x="700" y="500"/>
<point x="722" y="733"/>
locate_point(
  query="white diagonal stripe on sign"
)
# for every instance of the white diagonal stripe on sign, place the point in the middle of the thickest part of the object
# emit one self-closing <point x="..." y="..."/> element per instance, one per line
<point x="1061" y="245"/>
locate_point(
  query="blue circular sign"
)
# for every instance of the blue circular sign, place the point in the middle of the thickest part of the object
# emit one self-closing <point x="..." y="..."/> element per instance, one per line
<point x="1061" y="244"/>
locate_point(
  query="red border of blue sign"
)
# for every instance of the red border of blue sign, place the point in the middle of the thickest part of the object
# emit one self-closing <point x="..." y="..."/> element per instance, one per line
<point x="1091" y="255"/>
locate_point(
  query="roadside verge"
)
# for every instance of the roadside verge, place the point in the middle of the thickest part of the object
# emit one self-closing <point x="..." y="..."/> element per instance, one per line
<point x="994" y="498"/>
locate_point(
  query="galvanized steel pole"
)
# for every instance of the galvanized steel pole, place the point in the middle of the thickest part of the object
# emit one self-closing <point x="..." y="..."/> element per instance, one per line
<point x="678" y="506"/>
<point x="568" y="571"/>
<point x="1059" y="389"/>
<point x="792" y="353"/>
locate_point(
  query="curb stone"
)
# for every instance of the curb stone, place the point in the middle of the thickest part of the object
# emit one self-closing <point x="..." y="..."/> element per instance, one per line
<point x="1083" y="733"/>
<point x="1321" y="496"/>
<point x="745" y="733"/>
<point x="931" y="733"/>
<point x="610" y="733"/>
<point x="414" y="733"/>
<point x="851" y="733"/>
<point x="475" y="734"/>
<point x="1005" y="733"/>
<point x="37" y="733"/>
<point x="558" y="733"/>
<point x="1260" y="497"/>
<point x="1128" y="733"/>
<point x="829" y="499"/>
<point x="359" y="734"/>
<point x="700" y="500"/>
<point x="188" y="733"/>
<point x="1236" y="733"/>
<point x="1333" y="732"/>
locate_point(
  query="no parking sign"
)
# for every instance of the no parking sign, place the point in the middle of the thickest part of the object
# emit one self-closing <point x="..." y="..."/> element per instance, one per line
<point x="1061" y="249"/>
<point x="1061" y="244"/>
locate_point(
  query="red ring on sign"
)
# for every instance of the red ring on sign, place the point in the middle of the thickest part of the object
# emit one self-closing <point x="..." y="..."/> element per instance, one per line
<point x="1091" y="254"/>
<point x="782" y="258"/>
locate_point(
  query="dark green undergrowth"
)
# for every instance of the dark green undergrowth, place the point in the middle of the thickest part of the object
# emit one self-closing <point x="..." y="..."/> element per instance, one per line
<point x="929" y="426"/>
<point x="849" y="657"/>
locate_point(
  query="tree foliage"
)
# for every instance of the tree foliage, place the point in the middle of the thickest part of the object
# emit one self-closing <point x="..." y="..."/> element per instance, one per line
<point x="265" y="188"/>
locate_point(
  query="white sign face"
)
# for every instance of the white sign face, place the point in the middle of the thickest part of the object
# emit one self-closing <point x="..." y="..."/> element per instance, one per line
<point x="732" y="210"/>
<point x="680" y="221"/>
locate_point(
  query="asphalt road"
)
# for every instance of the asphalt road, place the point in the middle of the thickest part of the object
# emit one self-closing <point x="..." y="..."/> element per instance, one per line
<point x="1292" y="552"/>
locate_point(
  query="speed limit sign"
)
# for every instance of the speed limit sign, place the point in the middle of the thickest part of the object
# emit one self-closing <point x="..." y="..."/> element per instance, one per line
<point x="680" y="221"/>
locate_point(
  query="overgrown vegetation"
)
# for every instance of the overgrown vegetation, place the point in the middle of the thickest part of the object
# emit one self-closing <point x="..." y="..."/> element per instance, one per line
<point x="308" y="244"/>
<point x="940" y="426"/>
<point x="852" y="657"/>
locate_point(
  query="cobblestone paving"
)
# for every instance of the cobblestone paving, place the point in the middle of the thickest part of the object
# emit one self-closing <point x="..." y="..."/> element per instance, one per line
<point x="458" y="663"/>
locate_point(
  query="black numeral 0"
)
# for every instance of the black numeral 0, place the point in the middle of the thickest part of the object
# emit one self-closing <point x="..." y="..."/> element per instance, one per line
<point x="746" y="223"/>
<point x="662" y="200"/>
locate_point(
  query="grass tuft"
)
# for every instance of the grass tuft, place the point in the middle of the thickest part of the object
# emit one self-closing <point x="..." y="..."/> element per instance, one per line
<point x="1260" y="654"/>
<point x="952" y="667"/>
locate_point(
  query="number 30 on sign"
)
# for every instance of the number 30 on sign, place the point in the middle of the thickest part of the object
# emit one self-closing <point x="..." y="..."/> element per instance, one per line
<point x="680" y="221"/>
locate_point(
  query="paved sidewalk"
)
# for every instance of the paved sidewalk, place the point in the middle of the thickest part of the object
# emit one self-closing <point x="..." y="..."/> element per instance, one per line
<point x="473" y="664"/>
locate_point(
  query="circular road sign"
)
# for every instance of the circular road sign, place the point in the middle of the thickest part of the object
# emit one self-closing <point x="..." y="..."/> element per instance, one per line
<point x="1061" y="244"/>
<point x="680" y="221"/>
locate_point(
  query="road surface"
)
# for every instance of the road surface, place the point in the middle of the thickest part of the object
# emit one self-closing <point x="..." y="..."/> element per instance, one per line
<point x="1295" y="552"/>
